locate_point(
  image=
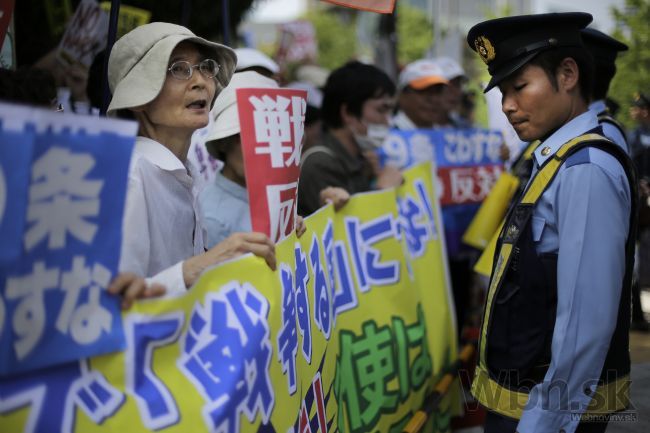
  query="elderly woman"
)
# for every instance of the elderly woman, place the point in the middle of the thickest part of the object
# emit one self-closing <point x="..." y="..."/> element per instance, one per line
<point x="168" y="79"/>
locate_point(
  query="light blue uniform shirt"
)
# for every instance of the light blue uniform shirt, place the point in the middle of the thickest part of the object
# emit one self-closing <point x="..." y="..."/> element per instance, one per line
<point x="610" y="131"/>
<point x="225" y="209"/>
<point x="583" y="216"/>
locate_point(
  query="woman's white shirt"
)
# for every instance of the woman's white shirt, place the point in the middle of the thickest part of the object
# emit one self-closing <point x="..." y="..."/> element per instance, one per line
<point x="162" y="219"/>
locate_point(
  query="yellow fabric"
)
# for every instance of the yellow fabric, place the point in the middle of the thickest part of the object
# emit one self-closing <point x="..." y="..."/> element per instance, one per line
<point x="491" y="213"/>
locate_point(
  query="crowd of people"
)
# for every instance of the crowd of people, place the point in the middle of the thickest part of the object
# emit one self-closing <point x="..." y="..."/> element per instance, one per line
<point x="558" y="300"/>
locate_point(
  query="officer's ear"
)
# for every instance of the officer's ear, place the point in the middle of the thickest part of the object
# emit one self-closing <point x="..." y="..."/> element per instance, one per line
<point x="568" y="75"/>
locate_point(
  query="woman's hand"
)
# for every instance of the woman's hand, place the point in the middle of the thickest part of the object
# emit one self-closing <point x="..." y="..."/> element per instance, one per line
<point x="131" y="287"/>
<point x="235" y="245"/>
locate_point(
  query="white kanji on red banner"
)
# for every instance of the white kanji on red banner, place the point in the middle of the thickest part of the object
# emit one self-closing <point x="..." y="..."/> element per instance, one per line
<point x="272" y="123"/>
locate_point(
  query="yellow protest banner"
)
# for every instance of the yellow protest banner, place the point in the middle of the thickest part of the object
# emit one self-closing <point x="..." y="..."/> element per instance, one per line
<point x="349" y="333"/>
<point x="492" y="211"/>
<point x="129" y="17"/>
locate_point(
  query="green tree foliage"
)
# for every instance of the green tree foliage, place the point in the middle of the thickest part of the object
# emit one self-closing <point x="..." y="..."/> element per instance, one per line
<point x="336" y="36"/>
<point x="633" y="66"/>
<point x="414" y="33"/>
<point x="35" y="36"/>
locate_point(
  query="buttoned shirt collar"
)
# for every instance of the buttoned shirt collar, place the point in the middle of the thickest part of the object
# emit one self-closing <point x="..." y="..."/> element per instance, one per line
<point x="163" y="158"/>
<point x="577" y="126"/>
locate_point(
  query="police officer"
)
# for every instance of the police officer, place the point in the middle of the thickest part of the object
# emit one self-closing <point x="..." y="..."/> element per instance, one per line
<point x="554" y="339"/>
<point x="603" y="50"/>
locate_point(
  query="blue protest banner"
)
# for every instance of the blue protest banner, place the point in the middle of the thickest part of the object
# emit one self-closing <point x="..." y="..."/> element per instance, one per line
<point x="467" y="165"/>
<point x="68" y="221"/>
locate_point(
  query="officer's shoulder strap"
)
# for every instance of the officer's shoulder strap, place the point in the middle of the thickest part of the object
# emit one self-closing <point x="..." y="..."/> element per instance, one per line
<point x="605" y="117"/>
<point x="551" y="167"/>
<point x="314" y="150"/>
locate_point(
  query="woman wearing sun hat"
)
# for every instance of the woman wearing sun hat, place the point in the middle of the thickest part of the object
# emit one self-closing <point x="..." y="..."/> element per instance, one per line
<point x="168" y="79"/>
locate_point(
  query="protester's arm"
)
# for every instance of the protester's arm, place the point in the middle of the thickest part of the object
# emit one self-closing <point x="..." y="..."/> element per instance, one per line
<point x="592" y="208"/>
<point x="235" y="245"/>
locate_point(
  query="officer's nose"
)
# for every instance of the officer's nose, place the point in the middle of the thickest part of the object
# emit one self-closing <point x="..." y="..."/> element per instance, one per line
<point x="508" y="105"/>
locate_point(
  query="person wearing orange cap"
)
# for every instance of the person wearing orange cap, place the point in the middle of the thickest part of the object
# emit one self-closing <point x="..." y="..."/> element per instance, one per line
<point x="421" y="88"/>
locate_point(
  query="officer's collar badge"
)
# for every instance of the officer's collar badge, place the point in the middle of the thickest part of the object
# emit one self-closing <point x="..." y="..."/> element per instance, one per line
<point x="485" y="49"/>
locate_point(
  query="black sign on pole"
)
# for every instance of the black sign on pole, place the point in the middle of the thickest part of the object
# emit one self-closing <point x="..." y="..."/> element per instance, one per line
<point x="112" y="33"/>
<point x="225" y="16"/>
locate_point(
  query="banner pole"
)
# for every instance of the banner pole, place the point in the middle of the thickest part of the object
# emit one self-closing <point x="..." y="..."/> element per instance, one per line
<point x="225" y="16"/>
<point x="185" y="13"/>
<point x="112" y="33"/>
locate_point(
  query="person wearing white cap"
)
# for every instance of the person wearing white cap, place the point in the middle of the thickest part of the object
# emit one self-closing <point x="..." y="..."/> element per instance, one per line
<point x="250" y="59"/>
<point x="168" y="78"/>
<point x="421" y="86"/>
<point x="225" y="201"/>
<point x="453" y="95"/>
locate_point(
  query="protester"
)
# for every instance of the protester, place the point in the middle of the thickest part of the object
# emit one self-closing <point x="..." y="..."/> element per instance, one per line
<point x="557" y="317"/>
<point x="452" y="96"/>
<point x="168" y="78"/>
<point x="357" y="103"/>
<point x="603" y="50"/>
<point x="31" y="86"/>
<point x="250" y="59"/>
<point x="421" y="87"/>
<point x="225" y="201"/>
<point x="313" y="117"/>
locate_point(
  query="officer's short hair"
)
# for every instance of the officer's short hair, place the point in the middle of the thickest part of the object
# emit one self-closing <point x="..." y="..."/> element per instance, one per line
<point x="352" y="85"/>
<point x="550" y="61"/>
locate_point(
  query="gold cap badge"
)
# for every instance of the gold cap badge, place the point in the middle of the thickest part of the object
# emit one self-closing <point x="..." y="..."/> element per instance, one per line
<point x="485" y="49"/>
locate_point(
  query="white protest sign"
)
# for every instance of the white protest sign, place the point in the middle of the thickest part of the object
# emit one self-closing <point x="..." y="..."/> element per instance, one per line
<point x="85" y="35"/>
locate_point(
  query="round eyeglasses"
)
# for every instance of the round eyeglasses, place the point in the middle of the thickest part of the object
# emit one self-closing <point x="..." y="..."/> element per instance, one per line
<point x="182" y="70"/>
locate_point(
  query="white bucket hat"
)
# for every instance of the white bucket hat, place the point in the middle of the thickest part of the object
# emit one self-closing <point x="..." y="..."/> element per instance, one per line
<point x="137" y="66"/>
<point x="224" y="113"/>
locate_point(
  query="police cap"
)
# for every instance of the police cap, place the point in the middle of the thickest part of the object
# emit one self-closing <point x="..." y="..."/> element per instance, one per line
<point x="641" y="101"/>
<point x="507" y="44"/>
<point x="602" y="47"/>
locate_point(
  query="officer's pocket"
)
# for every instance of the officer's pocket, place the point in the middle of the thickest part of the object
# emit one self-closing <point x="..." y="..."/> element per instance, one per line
<point x="537" y="226"/>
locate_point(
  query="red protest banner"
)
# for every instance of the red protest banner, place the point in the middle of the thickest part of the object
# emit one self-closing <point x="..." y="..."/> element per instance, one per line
<point x="6" y="10"/>
<point x="272" y="125"/>
<point x="381" y="6"/>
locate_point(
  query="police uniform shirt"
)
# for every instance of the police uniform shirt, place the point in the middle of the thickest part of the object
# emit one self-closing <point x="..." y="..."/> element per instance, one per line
<point x="583" y="216"/>
<point x="610" y="131"/>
